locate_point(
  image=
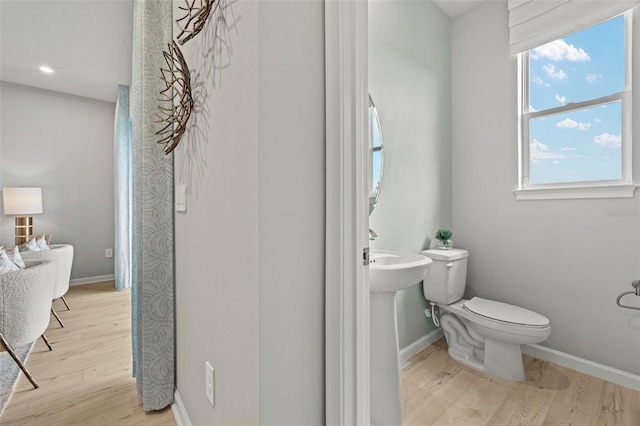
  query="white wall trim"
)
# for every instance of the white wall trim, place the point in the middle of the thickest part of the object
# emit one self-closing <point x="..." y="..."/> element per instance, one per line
<point x="91" y="280"/>
<point x="575" y="192"/>
<point x="180" y="412"/>
<point x="582" y="365"/>
<point x="346" y="278"/>
<point x="413" y="348"/>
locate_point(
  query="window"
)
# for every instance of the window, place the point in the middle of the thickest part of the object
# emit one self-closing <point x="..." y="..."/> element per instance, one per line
<point x="576" y="111"/>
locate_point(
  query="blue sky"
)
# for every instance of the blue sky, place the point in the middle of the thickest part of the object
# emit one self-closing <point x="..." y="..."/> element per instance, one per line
<point x="585" y="144"/>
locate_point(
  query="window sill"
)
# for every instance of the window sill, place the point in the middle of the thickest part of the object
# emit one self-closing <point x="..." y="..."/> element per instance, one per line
<point x="576" y="192"/>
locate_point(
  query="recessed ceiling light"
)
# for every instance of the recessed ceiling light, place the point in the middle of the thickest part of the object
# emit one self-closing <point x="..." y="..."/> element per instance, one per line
<point x="46" y="69"/>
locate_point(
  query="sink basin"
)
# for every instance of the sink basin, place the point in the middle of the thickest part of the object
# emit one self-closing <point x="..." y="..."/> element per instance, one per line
<point x="392" y="270"/>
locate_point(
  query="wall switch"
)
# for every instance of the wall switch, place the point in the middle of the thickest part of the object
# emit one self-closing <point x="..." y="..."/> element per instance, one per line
<point x="108" y="253"/>
<point x="209" y="382"/>
<point x="181" y="198"/>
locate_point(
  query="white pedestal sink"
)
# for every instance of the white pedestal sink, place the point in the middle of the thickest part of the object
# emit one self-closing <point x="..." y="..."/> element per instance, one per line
<point x="389" y="272"/>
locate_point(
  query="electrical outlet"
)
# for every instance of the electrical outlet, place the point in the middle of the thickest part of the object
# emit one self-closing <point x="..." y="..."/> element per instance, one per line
<point x="209" y="382"/>
<point x="108" y="253"/>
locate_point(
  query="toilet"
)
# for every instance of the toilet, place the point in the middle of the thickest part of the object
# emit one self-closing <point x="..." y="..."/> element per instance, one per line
<point x="483" y="334"/>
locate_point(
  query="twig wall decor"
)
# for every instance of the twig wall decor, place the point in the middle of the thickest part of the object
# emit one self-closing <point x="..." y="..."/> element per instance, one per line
<point x="176" y="101"/>
<point x="194" y="19"/>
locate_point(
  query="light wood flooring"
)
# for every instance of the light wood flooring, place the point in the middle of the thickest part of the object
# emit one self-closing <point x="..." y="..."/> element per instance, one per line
<point x="439" y="391"/>
<point x="86" y="379"/>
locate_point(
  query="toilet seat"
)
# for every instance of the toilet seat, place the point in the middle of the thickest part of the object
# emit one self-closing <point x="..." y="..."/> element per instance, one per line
<point x="505" y="313"/>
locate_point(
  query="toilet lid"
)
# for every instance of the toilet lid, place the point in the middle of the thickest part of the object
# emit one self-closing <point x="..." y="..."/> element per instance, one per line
<point x="505" y="312"/>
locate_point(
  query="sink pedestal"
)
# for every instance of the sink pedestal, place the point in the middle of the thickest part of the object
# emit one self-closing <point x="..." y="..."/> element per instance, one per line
<point x="390" y="271"/>
<point x="386" y="394"/>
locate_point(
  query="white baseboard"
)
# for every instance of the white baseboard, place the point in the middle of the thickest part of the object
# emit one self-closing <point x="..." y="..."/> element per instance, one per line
<point x="582" y="365"/>
<point x="179" y="412"/>
<point x="91" y="280"/>
<point x="408" y="351"/>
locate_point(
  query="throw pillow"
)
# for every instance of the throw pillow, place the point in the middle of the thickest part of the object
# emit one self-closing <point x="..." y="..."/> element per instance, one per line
<point x="14" y="256"/>
<point x="6" y="265"/>
<point x="42" y="244"/>
<point x="32" y="245"/>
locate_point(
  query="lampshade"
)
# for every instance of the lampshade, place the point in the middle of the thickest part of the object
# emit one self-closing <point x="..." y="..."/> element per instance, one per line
<point x="22" y="200"/>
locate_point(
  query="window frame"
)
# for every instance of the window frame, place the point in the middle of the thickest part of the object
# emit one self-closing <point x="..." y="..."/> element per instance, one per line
<point x="619" y="188"/>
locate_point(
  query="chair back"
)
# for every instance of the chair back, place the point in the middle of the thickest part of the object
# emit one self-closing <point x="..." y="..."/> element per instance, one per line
<point x="62" y="256"/>
<point x="25" y="302"/>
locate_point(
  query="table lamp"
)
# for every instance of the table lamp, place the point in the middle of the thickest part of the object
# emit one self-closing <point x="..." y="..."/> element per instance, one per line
<point x="22" y="202"/>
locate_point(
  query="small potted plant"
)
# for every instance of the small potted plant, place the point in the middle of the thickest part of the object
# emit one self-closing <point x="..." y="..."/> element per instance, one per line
<point x="444" y="239"/>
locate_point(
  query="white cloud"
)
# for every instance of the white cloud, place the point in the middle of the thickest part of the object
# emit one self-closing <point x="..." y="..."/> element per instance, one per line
<point x="597" y="120"/>
<point x="532" y="109"/>
<point x="539" y="151"/>
<point x="559" y="50"/>
<point x="541" y="82"/>
<point x="556" y="162"/>
<point x="553" y="73"/>
<point x="568" y="123"/>
<point x="568" y="148"/>
<point x="561" y="99"/>
<point x="592" y="78"/>
<point x="538" y="146"/>
<point x="605" y="139"/>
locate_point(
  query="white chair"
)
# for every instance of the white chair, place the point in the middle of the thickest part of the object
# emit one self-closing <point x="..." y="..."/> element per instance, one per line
<point x="25" y="301"/>
<point x="62" y="256"/>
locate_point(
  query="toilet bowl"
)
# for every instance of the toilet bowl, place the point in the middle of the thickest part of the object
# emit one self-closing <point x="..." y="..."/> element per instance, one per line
<point x="483" y="334"/>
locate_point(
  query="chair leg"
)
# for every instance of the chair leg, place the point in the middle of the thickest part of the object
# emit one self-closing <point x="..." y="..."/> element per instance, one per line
<point x="19" y="362"/>
<point x="57" y="317"/>
<point x="46" y="342"/>
<point x="65" y="303"/>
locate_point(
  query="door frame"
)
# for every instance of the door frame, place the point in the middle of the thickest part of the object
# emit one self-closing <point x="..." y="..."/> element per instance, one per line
<point x="347" y="215"/>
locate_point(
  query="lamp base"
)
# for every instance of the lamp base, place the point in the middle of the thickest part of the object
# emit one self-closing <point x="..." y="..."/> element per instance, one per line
<point x="24" y="229"/>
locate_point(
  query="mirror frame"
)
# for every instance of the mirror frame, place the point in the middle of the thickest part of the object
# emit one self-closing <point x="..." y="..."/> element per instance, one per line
<point x="374" y="120"/>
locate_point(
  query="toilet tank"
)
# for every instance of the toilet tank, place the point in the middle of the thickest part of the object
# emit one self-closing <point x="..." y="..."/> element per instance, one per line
<point x="447" y="277"/>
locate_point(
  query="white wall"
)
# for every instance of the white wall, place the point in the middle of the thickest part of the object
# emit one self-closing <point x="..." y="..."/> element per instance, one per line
<point x="250" y="249"/>
<point x="410" y="83"/>
<point x="566" y="259"/>
<point x="291" y="131"/>
<point x="64" y="144"/>
<point x="216" y="241"/>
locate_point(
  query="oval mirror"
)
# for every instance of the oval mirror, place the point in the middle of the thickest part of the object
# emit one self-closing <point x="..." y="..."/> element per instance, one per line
<point x="376" y="157"/>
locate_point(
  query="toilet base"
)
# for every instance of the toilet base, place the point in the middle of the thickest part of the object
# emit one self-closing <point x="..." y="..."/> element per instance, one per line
<point x="498" y="359"/>
<point x="503" y="360"/>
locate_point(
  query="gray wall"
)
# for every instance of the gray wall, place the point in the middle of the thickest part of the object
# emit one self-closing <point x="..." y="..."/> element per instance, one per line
<point x="291" y="132"/>
<point x="64" y="144"/>
<point x="566" y="259"/>
<point x="250" y="249"/>
<point x="410" y="83"/>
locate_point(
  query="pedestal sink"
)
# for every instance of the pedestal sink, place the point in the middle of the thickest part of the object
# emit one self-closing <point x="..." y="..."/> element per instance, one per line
<point x="389" y="272"/>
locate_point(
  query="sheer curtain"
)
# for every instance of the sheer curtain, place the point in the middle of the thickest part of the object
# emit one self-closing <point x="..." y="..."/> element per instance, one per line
<point x="152" y="213"/>
<point x="122" y="155"/>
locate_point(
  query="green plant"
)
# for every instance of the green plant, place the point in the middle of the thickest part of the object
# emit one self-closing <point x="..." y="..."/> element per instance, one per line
<point x="443" y="234"/>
